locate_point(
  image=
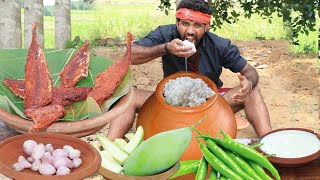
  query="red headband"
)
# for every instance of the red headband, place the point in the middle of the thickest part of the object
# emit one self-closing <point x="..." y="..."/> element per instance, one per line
<point x="188" y="14"/>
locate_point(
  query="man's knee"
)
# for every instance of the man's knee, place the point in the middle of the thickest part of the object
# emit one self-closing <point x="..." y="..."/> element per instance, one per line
<point x="255" y="94"/>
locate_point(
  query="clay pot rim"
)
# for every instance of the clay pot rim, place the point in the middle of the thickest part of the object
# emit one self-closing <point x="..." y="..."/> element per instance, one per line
<point x="291" y="162"/>
<point x="207" y="104"/>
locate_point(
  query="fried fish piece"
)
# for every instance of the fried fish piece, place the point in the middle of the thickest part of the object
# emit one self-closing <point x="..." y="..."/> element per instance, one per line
<point x="77" y="68"/>
<point x="43" y="117"/>
<point x="62" y="96"/>
<point x="66" y="96"/>
<point x="16" y="86"/>
<point x="107" y="81"/>
<point x="38" y="88"/>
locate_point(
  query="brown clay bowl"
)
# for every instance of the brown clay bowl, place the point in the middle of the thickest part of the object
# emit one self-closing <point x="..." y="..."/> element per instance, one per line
<point x="241" y="123"/>
<point x="293" y="147"/>
<point x="165" y="175"/>
<point x="11" y="149"/>
<point x="76" y="128"/>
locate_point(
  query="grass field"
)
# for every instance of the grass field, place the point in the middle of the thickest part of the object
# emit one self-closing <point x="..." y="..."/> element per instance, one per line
<point x="115" y="18"/>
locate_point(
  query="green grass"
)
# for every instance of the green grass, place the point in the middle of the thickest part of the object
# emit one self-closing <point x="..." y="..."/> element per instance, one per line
<point x="140" y="17"/>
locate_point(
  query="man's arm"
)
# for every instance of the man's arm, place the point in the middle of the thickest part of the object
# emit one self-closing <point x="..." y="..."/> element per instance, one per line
<point x="143" y="54"/>
<point x="251" y="74"/>
<point x="248" y="80"/>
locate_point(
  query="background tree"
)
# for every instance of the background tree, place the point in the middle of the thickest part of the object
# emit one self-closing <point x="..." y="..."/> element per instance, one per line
<point x="299" y="16"/>
<point x="33" y="12"/>
<point x="10" y="24"/>
<point x="62" y="23"/>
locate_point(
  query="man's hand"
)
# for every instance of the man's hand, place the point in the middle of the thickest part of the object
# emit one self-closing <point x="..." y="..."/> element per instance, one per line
<point x="176" y="47"/>
<point x="243" y="89"/>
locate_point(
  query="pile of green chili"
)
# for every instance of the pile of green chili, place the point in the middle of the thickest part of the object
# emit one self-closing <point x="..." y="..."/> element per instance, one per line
<point x="231" y="159"/>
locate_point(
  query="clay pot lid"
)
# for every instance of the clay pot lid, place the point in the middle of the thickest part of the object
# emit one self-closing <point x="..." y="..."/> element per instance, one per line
<point x="74" y="128"/>
<point x="164" y="175"/>
<point x="241" y="123"/>
<point x="286" y="161"/>
<point x="11" y="149"/>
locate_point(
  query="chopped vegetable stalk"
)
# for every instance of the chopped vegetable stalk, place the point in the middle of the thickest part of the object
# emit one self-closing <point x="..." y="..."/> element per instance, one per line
<point x="109" y="164"/>
<point x="119" y="155"/>
<point x="120" y="142"/>
<point x="129" y="136"/>
<point x="135" y="141"/>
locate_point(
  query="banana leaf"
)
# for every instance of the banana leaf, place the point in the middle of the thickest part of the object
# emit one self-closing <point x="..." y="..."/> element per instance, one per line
<point x="12" y="62"/>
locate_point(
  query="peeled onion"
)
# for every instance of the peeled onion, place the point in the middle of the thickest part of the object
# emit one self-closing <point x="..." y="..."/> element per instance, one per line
<point x="22" y="160"/>
<point x="38" y="151"/>
<point x="63" y="170"/>
<point x="46" y="169"/>
<point x="18" y="167"/>
<point x="76" y="162"/>
<point x="74" y="153"/>
<point x="59" y="162"/>
<point x="60" y="153"/>
<point x="28" y="146"/>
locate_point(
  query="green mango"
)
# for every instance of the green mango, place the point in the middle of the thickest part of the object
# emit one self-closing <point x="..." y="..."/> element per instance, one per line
<point x="158" y="153"/>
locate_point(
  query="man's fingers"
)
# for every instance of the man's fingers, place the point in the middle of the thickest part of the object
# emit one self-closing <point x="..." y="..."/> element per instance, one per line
<point x="241" y="77"/>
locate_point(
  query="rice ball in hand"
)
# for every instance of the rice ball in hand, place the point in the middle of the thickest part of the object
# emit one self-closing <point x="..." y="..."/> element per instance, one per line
<point x="188" y="44"/>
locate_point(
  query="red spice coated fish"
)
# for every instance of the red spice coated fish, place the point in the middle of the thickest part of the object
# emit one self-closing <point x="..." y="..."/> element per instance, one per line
<point x="107" y="81"/>
<point x="62" y="96"/>
<point x="66" y="96"/>
<point x="38" y="88"/>
<point x="77" y="68"/>
<point x="43" y="117"/>
<point x="16" y="86"/>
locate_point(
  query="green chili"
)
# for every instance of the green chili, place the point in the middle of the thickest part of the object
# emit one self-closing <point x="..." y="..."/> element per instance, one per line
<point x="245" y="151"/>
<point x="186" y="167"/>
<point x="213" y="174"/>
<point x="244" y="165"/>
<point x="223" y="178"/>
<point x="217" y="164"/>
<point x="256" y="145"/>
<point x="202" y="169"/>
<point x="259" y="170"/>
<point x="226" y="159"/>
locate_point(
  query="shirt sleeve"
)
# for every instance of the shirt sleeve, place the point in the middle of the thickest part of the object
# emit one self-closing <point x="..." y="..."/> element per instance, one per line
<point x="154" y="38"/>
<point x="232" y="58"/>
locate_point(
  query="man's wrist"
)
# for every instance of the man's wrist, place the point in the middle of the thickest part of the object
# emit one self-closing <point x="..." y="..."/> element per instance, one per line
<point x="166" y="48"/>
<point x="250" y="86"/>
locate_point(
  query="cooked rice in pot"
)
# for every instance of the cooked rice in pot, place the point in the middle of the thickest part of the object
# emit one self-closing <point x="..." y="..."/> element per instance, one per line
<point x="187" y="92"/>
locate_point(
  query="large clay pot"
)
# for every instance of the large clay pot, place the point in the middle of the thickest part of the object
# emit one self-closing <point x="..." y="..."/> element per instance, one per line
<point x="157" y="116"/>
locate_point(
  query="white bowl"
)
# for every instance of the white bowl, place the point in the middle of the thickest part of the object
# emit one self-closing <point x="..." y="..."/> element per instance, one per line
<point x="291" y="147"/>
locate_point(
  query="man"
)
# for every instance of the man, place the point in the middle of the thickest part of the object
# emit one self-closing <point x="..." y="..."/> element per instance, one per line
<point x="213" y="53"/>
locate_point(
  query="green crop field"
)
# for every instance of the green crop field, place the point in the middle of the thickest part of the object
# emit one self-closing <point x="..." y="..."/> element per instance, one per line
<point x="112" y="19"/>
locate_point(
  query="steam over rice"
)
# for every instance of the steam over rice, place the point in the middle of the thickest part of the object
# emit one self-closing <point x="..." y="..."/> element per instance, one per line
<point x="187" y="92"/>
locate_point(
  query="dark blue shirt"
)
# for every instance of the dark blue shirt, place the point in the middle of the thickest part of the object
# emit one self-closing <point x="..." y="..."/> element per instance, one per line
<point x="215" y="53"/>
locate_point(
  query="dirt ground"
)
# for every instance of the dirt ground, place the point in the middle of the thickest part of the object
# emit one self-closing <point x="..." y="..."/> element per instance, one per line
<point x="289" y="83"/>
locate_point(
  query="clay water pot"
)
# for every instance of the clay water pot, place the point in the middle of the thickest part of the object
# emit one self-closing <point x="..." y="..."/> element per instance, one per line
<point x="156" y="115"/>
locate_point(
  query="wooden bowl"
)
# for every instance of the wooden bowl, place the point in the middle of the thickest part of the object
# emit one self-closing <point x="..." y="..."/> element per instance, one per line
<point x="293" y="147"/>
<point x="165" y="175"/>
<point x="12" y="148"/>
<point x="75" y="128"/>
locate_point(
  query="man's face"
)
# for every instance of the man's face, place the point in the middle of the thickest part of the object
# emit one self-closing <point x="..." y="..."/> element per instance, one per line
<point x="191" y="30"/>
